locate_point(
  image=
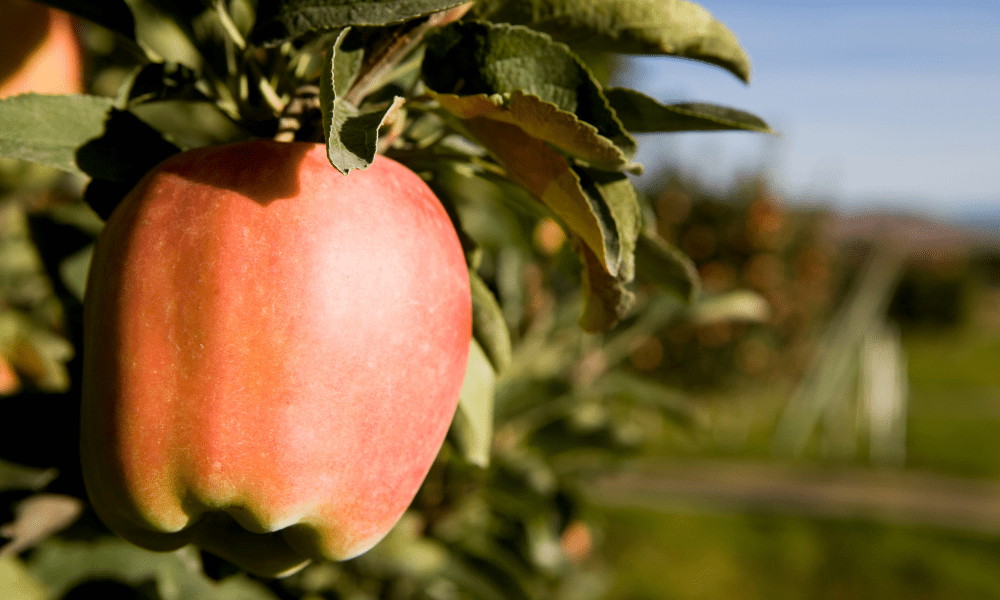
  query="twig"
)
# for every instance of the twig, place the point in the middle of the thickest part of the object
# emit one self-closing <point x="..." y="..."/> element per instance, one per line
<point x="391" y="49"/>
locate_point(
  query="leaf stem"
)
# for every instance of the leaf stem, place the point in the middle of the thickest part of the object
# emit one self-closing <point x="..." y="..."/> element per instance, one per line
<point x="272" y="98"/>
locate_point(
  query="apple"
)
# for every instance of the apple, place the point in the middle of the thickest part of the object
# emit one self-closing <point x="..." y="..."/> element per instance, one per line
<point x="273" y="354"/>
<point x="39" y="50"/>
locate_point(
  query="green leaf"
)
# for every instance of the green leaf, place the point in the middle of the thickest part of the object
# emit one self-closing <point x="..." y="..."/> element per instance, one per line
<point x="48" y="129"/>
<point x="74" y="269"/>
<point x="662" y="263"/>
<point x="111" y="14"/>
<point x="165" y="30"/>
<point x="545" y="121"/>
<point x="473" y="425"/>
<point x="488" y="325"/>
<point x="545" y="173"/>
<point x="34" y="350"/>
<point x="16" y="583"/>
<point x="618" y="195"/>
<point x="642" y="114"/>
<point x="20" y="477"/>
<point x="84" y="135"/>
<point x="64" y="564"/>
<point x="124" y="150"/>
<point x="351" y="134"/>
<point x="605" y="298"/>
<point x="473" y="58"/>
<point x="738" y="305"/>
<point x="281" y="20"/>
<point x="189" y="123"/>
<point x="673" y="27"/>
<point x="116" y="160"/>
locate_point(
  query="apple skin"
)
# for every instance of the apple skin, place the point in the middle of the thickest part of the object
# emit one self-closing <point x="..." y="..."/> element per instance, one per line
<point x="39" y="50"/>
<point x="273" y="354"/>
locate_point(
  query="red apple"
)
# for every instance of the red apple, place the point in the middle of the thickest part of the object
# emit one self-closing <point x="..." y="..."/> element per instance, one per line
<point x="273" y="354"/>
<point x="39" y="50"/>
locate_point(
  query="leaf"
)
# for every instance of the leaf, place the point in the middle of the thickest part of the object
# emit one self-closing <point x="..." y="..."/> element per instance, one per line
<point x="74" y="269"/>
<point x="111" y="14"/>
<point x="473" y="423"/>
<point x="546" y="174"/>
<point x="86" y="135"/>
<point x="545" y="121"/>
<point x="16" y="583"/>
<point x="665" y="265"/>
<point x="20" y="477"/>
<point x="48" y="129"/>
<point x="642" y="114"/>
<point x="189" y="123"/>
<point x="116" y="160"/>
<point x="165" y="30"/>
<point x="673" y="27"/>
<point x="605" y="299"/>
<point x="473" y="58"/>
<point x="617" y="193"/>
<point x="36" y="352"/>
<point x="738" y="305"/>
<point x="36" y="518"/>
<point x="488" y="325"/>
<point x="282" y="20"/>
<point x="351" y="135"/>
<point x="64" y="564"/>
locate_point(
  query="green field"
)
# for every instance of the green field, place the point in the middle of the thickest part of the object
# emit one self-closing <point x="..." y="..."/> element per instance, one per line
<point x="953" y="412"/>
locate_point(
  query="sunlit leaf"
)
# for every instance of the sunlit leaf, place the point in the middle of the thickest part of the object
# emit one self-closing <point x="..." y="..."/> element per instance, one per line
<point x="642" y="114"/>
<point x="36" y="518"/>
<point x="674" y="27"/>
<point x="49" y="129"/>
<point x="618" y="195"/>
<point x="488" y="325"/>
<point x="605" y="298"/>
<point x="282" y="20"/>
<point x="549" y="176"/>
<point x="477" y="58"/>
<point x="74" y="269"/>
<point x="17" y="583"/>
<point x="545" y="121"/>
<point x="738" y="305"/>
<point x="473" y="425"/>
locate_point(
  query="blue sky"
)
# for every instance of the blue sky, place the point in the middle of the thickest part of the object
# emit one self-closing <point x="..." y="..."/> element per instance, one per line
<point x="890" y="105"/>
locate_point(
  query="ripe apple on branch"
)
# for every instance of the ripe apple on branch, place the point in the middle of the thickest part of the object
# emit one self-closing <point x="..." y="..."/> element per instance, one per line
<point x="277" y="330"/>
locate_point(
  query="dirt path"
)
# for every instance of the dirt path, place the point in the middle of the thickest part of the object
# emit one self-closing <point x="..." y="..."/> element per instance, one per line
<point x="905" y="497"/>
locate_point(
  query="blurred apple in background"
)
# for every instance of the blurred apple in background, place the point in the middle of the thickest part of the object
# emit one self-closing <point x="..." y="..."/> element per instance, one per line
<point x="39" y="50"/>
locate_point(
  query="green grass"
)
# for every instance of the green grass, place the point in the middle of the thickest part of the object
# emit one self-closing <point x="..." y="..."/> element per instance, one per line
<point x="953" y="428"/>
<point x="751" y="557"/>
<point x="954" y="420"/>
